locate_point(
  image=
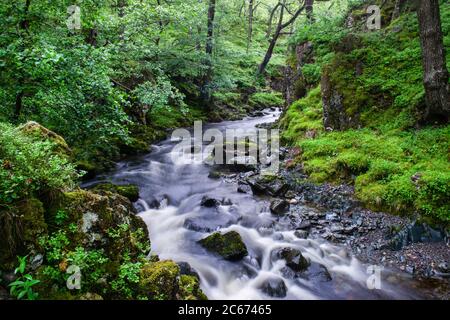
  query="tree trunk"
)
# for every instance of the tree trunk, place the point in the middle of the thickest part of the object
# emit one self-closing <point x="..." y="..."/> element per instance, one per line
<point x="24" y="25"/>
<point x="210" y="35"/>
<point x="250" y="24"/>
<point x="434" y="64"/>
<point x="280" y="27"/>
<point x="205" y="91"/>
<point x="269" y="23"/>
<point x="122" y="5"/>
<point x="309" y="4"/>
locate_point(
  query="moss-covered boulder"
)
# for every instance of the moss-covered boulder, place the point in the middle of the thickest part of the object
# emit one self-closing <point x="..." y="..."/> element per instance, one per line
<point x="36" y="130"/>
<point x="129" y="191"/>
<point x="189" y="288"/>
<point x="20" y="228"/>
<point x="229" y="245"/>
<point x="106" y="221"/>
<point x="161" y="280"/>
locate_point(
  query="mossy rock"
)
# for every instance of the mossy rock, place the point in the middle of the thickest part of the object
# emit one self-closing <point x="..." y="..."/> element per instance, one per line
<point x="129" y="191"/>
<point x="20" y="228"/>
<point x="106" y="221"/>
<point x="159" y="280"/>
<point x="229" y="245"/>
<point x="90" y="169"/>
<point x="36" y="130"/>
<point x="190" y="288"/>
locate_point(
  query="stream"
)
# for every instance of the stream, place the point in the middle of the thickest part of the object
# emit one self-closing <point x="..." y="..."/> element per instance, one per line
<point x="171" y="193"/>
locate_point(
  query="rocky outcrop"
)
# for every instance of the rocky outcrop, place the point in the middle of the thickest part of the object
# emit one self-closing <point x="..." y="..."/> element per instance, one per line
<point x="20" y="228"/>
<point x="295" y="85"/>
<point x="335" y="115"/>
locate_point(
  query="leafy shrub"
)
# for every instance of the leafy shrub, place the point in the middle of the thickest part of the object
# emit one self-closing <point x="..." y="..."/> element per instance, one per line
<point x="23" y="286"/>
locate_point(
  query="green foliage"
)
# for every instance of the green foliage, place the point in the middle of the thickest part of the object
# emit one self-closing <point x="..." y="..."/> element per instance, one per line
<point x="266" y="99"/>
<point x="127" y="281"/>
<point x="302" y="116"/>
<point x="23" y="286"/>
<point x="28" y="165"/>
<point x="394" y="165"/>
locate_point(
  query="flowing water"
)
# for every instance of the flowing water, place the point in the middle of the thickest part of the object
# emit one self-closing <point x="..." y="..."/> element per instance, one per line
<point x="179" y="188"/>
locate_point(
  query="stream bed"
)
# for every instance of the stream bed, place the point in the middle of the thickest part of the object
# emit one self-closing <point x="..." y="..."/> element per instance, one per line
<point x="171" y="192"/>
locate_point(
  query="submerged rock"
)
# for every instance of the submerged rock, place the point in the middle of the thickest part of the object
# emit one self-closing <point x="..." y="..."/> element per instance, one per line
<point x="274" y="287"/>
<point x="229" y="245"/>
<point x="209" y="202"/>
<point x="294" y="259"/>
<point x="244" y="188"/>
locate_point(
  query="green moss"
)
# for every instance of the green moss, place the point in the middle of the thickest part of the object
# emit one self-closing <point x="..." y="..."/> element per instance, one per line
<point x="190" y="289"/>
<point x="229" y="245"/>
<point x="394" y="165"/>
<point x="20" y="229"/>
<point x="128" y="191"/>
<point x="159" y="280"/>
<point x="302" y="116"/>
<point x="35" y="130"/>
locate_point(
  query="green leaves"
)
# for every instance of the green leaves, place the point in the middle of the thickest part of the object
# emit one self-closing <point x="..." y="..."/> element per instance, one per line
<point x="28" y="165"/>
<point x="23" y="286"/>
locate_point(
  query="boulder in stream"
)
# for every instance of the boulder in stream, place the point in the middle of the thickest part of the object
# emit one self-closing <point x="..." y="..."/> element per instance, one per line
<point x="274" y="287"/>
<point x="294" y="259"/>
<point x="229" y="245"/>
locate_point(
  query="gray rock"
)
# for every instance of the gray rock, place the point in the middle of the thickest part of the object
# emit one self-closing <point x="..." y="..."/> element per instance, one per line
<point x="244" y="188"/>
<point x="443" y="267"/>
<point x="279" y="206"/>
<point x="209" y="202"/>
<point x="37" y="261"/>
<point x="274" y="287"/>
<point x="294" y="259"/>
<point x="186" y="269"/>
<point x="301" y="234"/>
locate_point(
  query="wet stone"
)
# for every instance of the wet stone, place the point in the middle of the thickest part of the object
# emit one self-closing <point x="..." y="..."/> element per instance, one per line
<point x="279" y="206"/>
<point x="274" y="287"/>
